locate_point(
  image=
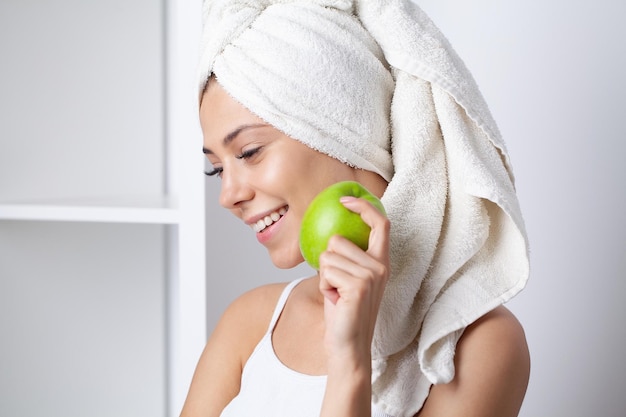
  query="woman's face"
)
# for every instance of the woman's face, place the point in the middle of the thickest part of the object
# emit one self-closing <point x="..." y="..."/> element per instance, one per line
<point x="267" y="178"/>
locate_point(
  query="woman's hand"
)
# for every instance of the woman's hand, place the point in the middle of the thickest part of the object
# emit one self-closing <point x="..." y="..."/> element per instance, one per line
<point x="353" y="282"/>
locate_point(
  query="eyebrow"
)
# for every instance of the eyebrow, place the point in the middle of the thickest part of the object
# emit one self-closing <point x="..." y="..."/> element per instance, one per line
<point x="232" y="135"/>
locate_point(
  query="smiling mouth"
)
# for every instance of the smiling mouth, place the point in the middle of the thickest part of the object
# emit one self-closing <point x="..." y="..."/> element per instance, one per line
<point x="268" y="220"/>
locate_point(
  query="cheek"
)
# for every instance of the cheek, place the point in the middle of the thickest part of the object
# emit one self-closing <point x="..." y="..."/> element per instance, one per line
<point x="271" y="175"/>
<point x="285" y="175"/>
<point x="290" y="180"/>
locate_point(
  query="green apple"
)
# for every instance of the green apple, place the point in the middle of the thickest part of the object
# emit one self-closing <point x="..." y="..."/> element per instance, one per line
<point x="326" y="217"/>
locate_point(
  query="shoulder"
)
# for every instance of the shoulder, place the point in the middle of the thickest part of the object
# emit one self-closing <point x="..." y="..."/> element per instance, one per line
<point x="248" y="316"/>
<point x="218" y="374"/>
<point x="492" y="364"/>
<point x="498" y="331"/>
<point x="259" y="301"/>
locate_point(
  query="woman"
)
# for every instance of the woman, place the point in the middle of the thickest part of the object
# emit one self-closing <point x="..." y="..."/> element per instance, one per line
<point x="296" y="96"/>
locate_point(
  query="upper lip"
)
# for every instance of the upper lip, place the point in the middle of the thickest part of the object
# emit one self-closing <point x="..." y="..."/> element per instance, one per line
<point x="251" y="220"/>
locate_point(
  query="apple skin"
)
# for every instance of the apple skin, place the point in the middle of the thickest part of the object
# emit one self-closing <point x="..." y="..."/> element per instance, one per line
<point x="326" y="217"/>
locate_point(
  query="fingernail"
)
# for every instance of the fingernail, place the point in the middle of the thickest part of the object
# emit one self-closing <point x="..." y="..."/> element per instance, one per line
<point x="347" y="199"/>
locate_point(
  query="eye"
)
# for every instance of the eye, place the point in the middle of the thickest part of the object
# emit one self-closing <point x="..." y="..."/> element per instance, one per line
<point x="215" y="171"/>
<point x="248" y="153"/>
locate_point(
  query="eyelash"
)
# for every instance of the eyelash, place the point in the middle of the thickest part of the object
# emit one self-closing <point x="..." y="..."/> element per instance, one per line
<point x="244" y="155"/>
<point x="213" y="172"/>
<point x="249" y="153"/>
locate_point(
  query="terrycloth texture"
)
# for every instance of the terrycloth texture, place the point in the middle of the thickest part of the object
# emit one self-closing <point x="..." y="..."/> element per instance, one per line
<point x="279" y="66"/>
<point x="376" y="85"/>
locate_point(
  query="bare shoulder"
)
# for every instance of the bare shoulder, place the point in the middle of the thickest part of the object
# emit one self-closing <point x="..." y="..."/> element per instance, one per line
<point x="246" y="319"/>
<point x="258" y="302"/>
<point x="492" y="370"/>
<point x="497" y="332"/>
<point x="217" y="378"/>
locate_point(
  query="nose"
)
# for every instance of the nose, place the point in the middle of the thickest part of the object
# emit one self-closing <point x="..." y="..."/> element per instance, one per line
<point x="235" y="190"/>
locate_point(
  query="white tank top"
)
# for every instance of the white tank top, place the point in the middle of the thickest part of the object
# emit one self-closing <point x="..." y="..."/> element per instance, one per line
<point x="271" y="389"/>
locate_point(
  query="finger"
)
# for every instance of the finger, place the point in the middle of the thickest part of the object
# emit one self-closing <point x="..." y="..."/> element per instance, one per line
<point x="359" y="295"/>
<point x="350" y="268"/>
<point x="341" y="253"/>
<point x="328" y="290"/>
<point x="336" y="283"/>
<point x="378" y="245"/>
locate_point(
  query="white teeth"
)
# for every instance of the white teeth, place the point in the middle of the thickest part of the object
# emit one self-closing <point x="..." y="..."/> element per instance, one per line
<point x="268" y="220"/>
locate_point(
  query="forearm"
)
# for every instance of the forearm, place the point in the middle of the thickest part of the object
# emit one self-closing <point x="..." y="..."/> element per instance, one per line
<point x="348" y="388"/>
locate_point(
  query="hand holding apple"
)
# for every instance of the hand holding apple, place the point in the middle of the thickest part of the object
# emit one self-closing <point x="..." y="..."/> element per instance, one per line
<point x="326" y="216"/>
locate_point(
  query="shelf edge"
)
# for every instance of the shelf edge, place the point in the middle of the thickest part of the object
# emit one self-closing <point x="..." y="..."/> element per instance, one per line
<point x="37" y="212"/>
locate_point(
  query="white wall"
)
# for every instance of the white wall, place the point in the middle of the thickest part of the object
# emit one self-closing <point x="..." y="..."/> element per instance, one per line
<point x="81" y="99"/>
<point x="82" y="305"/>
<point x="81" y="320"/>
<point x="552" y="74"/>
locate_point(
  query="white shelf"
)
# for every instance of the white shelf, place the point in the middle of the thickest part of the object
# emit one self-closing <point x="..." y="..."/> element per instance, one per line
<point x="146" y="142"/>
<point x="154" y="210"/>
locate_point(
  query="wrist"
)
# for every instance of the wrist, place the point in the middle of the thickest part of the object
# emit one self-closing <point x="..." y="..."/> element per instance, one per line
<point x="349" y="359"/>
<point x="348" y="388"/>
<point x="350" y="362"/>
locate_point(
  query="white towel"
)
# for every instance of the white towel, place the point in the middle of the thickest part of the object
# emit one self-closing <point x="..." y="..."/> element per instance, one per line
<point x="376" y="85"/>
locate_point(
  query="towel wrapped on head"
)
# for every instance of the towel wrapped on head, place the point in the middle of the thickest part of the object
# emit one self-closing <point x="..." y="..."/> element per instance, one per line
<point x="374" y="84"/>
<point x="299" y="50"/>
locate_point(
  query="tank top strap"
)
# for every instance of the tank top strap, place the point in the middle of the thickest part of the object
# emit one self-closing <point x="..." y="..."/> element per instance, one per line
<point x="282" y="300"/>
